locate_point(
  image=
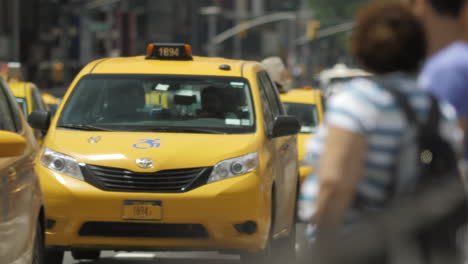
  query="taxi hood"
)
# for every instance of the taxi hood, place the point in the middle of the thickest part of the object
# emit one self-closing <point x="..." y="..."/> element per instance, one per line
<point x="167" y="150"/>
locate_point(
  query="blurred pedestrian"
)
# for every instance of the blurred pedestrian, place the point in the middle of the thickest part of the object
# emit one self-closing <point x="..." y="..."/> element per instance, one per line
<point x="360" y="145"/>
<point x="278" y="73"/>
<point x="445" y="73"/>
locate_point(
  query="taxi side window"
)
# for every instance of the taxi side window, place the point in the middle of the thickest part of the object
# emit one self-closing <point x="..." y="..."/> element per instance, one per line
<point x="37" y="102"/>
<point x="7" y="116"/>
<point x="267" y="111"/>
<point x="272" y="94"/>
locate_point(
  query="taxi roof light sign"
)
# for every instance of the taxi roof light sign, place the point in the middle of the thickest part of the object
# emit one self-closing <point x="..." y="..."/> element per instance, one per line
<point x="169" y="51"/>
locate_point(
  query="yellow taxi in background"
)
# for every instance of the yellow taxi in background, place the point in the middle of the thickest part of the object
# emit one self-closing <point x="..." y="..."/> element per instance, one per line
<point x="51" y="101"/>
<point x="22" y="221"/>
<point x="173" y="152"/>
<point x="29" y="99"/>
<point x="307" y="105"/>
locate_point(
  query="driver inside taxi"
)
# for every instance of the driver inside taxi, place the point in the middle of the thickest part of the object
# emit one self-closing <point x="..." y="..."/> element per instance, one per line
<point x="211" y="103"/>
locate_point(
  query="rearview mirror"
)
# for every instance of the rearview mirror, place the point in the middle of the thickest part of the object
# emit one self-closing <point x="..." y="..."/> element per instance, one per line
<point x="11" y="144"/>
<point x="39" y="119"/>
<point x="285" y="126"/>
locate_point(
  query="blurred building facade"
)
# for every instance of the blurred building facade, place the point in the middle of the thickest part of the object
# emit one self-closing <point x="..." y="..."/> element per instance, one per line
<point x="9" y="31"/>
<point x="53" y="39"/>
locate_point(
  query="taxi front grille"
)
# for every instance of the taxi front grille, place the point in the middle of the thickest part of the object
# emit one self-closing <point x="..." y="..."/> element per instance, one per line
<point x="122" y="180"/>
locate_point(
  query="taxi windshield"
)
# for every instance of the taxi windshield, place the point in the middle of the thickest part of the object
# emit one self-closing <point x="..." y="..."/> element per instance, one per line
<point x="22" y="104"/>
<point x="191" y="104"/>
<point x="307" y="115"/>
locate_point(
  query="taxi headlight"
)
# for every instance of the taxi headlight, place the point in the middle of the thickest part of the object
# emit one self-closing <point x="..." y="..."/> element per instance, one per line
<point x="61" y="163"/>
<point x="234" y="167"/>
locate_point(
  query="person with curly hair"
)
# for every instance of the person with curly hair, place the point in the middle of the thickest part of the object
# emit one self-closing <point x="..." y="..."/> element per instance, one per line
<point x="357" y="149"/>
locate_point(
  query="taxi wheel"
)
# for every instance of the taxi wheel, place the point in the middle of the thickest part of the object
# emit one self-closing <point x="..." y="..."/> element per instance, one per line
<point x="53" y="256"/>
<point x="279" y="251"/>
<point x="264" y="256"/>
<point x="38" y="250"/>
<point x="86" y="254"/>
<point x="285" y="248"/>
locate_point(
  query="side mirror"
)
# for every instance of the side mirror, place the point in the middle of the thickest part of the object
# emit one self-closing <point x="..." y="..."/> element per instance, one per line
<point x="285" y="126"/>
<point x="40" y="120"/>
<point x="11" y="144"/>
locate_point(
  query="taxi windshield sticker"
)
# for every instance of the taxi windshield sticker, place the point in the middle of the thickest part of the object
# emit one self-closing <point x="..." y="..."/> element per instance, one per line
<point x="237" y="84"/>
<point x="245" y="122"/>
<point x="232" y="121"/>
<point x="147" y="143"/>
<point x="162" y="87"/>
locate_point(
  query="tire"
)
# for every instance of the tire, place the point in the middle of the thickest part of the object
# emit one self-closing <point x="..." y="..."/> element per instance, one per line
<point x="279" y="251"/>
<point x="86" y="254"/>
<point x="38" y="249"/>
<point x="285" y="248"/>
<point x="52" y="256"/>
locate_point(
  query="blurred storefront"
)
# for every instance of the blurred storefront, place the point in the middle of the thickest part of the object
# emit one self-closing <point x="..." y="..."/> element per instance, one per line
<point x="9" y="30"/>
<point x="56" y="38"/>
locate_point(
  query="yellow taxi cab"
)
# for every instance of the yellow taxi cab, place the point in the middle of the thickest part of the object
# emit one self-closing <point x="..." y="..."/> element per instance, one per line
<point x="170" y="152"/>
<point x="22" y="221"/>
<point x="29" y="99"/>
<point x="307" y="105"/>
<point x="51" y="101"/>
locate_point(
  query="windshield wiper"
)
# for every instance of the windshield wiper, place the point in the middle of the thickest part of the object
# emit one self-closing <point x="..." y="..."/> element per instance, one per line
<point x="182" y="130"/>
<point x="84" y="127"/>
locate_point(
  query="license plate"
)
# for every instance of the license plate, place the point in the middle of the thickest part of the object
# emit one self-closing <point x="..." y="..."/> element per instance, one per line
<point x="142" y="210"/>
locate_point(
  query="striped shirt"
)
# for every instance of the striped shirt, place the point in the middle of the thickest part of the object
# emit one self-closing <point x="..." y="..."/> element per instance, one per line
<point x="366" y="108"/>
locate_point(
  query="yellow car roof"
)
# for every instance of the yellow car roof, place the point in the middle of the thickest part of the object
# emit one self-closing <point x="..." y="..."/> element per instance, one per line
<point x="49" y="99"/>
<point x="140" y="65"/>
<point x="19" y="89"/>
<point x="304" y="96"/>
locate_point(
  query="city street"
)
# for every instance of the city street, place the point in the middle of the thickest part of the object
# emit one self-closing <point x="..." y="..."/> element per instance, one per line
<point x="170" y="125"/>
<point x="160" y="257"/>
<point x="110" y="257"/>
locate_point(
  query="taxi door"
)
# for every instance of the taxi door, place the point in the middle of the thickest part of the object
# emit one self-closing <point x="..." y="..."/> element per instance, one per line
<point x="284" y="157"/>
<point x="19" y="188"/>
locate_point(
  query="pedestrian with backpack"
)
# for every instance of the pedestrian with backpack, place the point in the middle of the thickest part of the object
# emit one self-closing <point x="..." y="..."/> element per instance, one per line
<point x="445" y="72"/>
<point x="373" y="148"/>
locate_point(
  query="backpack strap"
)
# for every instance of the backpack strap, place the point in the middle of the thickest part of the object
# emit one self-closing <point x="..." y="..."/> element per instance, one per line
<point x="410" y="115"/>
<point x="401" y="100"/>
<point x="433" y="120"/>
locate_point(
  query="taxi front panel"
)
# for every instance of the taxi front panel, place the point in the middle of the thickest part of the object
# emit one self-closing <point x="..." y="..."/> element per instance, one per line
<point x="168" y="150"/>
<point x="216" y="206"/>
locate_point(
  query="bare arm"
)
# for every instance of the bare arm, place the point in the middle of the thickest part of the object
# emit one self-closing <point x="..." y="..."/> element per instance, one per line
<point x="341" y="168"/>
<point x="464" y="125"/>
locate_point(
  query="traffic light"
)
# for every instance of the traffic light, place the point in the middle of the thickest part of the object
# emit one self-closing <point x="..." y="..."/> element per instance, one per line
<point x="312" y="28"/>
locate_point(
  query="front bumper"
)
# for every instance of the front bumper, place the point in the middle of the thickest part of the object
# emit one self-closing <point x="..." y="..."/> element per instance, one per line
<point x="217" y="207"/>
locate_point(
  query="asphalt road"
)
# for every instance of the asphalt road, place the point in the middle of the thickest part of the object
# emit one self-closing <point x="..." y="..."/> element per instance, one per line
<point x="110" y="257"/>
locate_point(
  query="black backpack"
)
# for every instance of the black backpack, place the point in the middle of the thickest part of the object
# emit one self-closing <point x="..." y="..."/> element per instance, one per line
<point x="434" y="157"/>
<point x="437" y="188"/>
